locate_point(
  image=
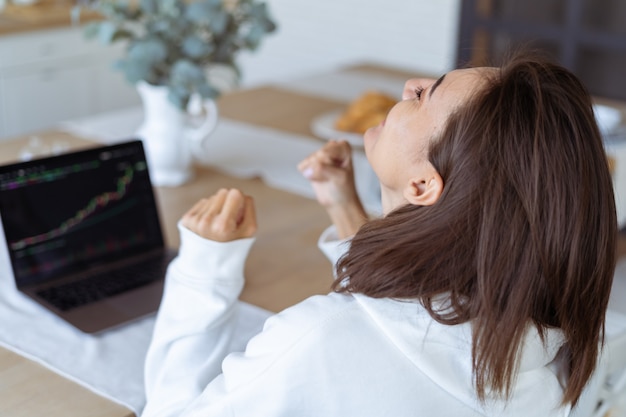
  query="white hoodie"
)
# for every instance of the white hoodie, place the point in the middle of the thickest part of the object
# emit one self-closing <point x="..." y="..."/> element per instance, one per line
<point x="334" y="355"/>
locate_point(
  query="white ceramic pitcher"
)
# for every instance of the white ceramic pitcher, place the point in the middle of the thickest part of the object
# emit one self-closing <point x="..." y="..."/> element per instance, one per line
<point x="172" y="136"/>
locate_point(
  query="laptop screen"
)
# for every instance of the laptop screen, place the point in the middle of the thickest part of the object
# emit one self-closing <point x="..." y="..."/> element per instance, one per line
<point x="73" y="212"/>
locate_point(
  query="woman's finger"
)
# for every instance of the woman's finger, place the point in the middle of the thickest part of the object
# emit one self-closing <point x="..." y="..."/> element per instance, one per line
<point x="248" y="224"/>
<point x="233" y="205"/>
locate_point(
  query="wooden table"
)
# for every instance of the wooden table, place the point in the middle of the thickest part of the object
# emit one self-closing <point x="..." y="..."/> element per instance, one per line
<point x="284" y="266"/>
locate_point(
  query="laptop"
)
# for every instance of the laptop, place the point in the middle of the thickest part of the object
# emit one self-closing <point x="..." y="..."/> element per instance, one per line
<point x="84" y="236"/>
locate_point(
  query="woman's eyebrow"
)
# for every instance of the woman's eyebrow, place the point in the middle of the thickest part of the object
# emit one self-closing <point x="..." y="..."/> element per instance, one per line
<point x="435" y="85"/>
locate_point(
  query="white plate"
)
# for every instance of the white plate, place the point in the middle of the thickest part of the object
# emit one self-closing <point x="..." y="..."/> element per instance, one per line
<point x="323" y="126"/>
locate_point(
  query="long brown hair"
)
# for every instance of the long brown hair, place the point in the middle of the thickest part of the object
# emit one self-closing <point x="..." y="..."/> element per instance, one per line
<point x="524" y="232"/>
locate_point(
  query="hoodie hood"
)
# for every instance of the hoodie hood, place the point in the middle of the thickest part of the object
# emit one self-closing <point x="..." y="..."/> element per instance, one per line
<point x="443" y="353"/>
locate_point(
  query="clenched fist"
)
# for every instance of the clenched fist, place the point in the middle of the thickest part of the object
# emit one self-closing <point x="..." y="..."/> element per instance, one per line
<point x="331" y="174"/>
<point x="227" y="215"/>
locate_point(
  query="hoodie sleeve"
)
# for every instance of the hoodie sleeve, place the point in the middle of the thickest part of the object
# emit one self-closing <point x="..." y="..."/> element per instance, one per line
<point x="195" y="322"/>
<point x="331" y="246"/>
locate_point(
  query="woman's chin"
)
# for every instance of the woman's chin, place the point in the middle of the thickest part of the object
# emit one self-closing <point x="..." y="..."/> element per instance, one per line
<point x="372" y="133"/>
<point x="369" y="139"/>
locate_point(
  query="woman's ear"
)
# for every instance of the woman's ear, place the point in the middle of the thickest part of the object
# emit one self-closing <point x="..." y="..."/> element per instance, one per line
<point x="425" y="190"/>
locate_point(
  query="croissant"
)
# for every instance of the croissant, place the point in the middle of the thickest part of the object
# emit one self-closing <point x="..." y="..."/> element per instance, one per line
<point x="366" y="111"/>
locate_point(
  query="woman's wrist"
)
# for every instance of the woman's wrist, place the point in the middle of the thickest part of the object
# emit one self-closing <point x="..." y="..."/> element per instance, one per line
<point x="347" y="218"/>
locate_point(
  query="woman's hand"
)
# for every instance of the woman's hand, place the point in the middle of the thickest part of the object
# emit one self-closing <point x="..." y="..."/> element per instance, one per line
<point x="227" y="215"/>
<point x="331" y="174"/>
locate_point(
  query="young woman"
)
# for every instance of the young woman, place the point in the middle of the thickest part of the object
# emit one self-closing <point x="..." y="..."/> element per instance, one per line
<point x="480" y="292"/>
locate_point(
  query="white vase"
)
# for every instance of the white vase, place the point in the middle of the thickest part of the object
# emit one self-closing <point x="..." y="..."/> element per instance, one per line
<point x="171" y="136"/>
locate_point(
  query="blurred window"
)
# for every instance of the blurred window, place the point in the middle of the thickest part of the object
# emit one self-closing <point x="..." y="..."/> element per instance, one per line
<point x="586" y="36"/>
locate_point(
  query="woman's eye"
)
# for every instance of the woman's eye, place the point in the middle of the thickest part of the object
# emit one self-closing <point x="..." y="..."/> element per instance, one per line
<point x="418" y="92"/>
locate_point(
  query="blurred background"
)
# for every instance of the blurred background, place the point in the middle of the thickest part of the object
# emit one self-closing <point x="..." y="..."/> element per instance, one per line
<point x="587" y="36"/>
<point x="314" y="36"/>
<point x="49" y="72"/>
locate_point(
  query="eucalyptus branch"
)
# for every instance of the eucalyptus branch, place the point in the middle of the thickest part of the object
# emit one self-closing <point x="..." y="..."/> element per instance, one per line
<point x="172" y="42"/>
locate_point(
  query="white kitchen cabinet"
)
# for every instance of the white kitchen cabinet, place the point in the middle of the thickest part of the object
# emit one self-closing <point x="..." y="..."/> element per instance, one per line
<point x="38" y="99"/>
<point x="53" y="75"/>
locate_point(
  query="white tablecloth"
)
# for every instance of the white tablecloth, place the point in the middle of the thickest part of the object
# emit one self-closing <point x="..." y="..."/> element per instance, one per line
<point x="110" y="363"/>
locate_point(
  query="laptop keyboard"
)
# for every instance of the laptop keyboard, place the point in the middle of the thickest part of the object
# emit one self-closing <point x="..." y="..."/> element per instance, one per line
<point x="75" y="294"/>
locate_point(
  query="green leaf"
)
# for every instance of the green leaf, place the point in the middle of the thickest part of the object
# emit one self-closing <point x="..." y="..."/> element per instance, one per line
<point x="114" y="10"/>
<point x="179" y="97"/>
<point x="206" y="91"/>
<point x="160" y="26"/>
<point x="148" y="6"/>
<point x="91" y="30"/>
<point x="218" y="22"/>
<point x="150" y="51"/>
<point x="122" y="34"/>
<point x="254" y="36"/>
<point x="201" y="12"/>
<point x="135" y="71"/>
<point x="260" y="16"/>
<point x="186" y="74"/>
<point x="258" y="11"/>
<point x="106" y="32"/>
<point x="179" y="28"/>
<point x="171" y="8"/>
<point x="195" y="47"/>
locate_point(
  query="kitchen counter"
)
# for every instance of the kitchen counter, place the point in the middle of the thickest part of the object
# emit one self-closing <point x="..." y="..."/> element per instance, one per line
<point x="44" y="14"/>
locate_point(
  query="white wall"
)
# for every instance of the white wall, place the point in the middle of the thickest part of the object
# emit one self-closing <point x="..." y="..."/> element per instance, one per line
<point x="318" y="35"/>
